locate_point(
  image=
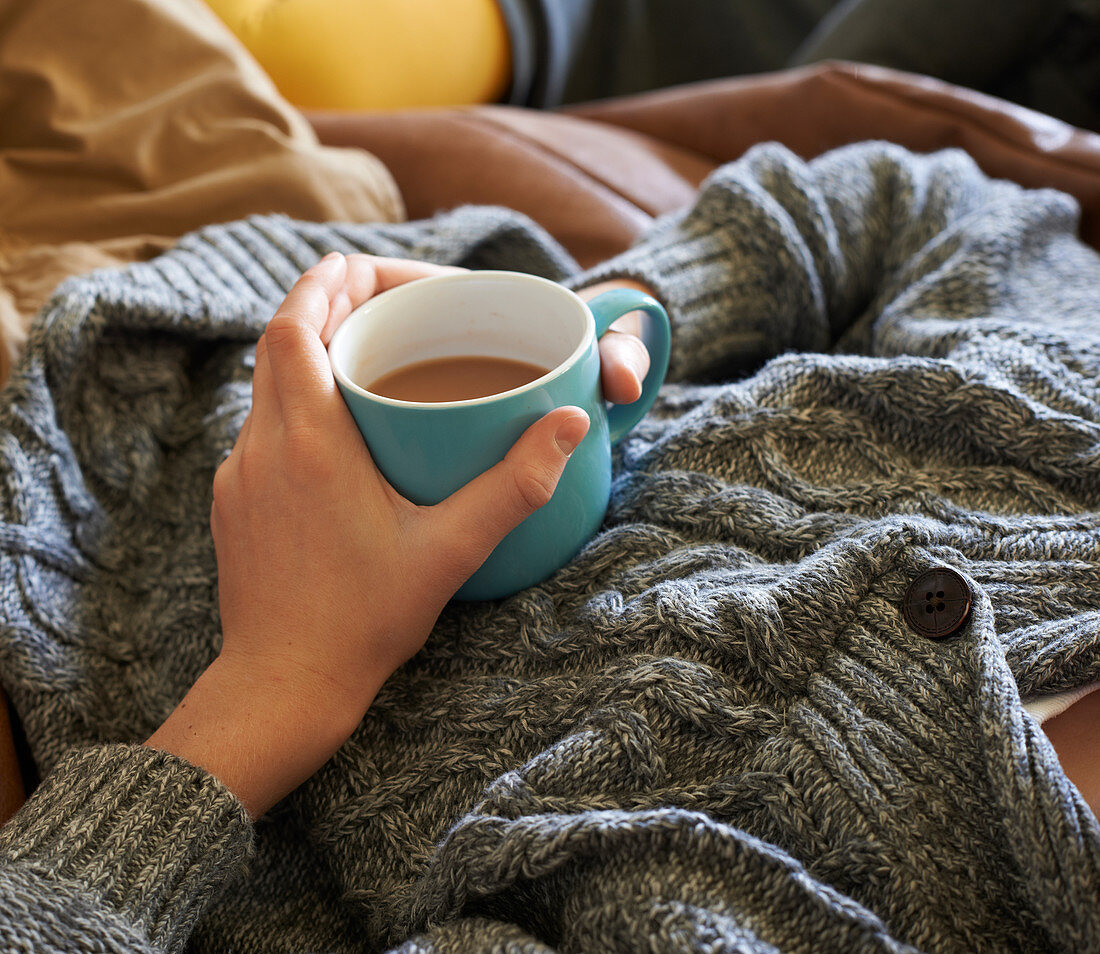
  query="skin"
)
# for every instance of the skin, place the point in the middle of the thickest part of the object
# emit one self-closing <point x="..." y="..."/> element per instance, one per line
<point x="299" y="668"/>
<point x="1073" y="735"/>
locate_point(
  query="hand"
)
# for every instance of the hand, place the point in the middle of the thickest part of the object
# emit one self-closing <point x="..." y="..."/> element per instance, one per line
<point x="624" y="359"/>
<point x="328" y="579"/>
<point x="331" y="544"/>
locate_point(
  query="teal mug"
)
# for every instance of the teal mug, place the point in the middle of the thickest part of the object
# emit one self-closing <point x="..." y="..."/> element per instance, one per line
<point x="427" y="450"/>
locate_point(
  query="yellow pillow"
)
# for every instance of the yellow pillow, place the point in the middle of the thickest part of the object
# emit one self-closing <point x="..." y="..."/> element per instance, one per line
<point x="376" y="54"/>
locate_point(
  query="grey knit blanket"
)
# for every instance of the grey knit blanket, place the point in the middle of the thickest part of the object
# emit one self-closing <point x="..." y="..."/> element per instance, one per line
<point x="715" y="729"/>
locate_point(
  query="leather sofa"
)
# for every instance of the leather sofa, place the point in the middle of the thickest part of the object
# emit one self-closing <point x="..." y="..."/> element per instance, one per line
<point x="595" y="175"/>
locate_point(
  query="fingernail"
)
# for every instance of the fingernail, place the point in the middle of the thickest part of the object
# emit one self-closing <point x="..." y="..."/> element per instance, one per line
<point x="571" y="433"/>
<point x="329" y="263"/>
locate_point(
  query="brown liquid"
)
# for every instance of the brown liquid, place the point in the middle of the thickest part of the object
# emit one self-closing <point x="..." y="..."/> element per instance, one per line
<point x="460" y="378"/>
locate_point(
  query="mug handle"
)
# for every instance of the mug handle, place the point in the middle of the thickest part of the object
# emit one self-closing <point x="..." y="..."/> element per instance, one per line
<point x="610" y="307"/>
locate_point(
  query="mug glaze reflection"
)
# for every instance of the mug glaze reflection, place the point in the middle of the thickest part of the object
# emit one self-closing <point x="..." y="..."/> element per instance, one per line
<point x="429" y="450"/>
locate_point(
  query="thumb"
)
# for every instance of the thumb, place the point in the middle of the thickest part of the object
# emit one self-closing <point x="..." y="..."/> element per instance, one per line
<point x="483" y="512"/>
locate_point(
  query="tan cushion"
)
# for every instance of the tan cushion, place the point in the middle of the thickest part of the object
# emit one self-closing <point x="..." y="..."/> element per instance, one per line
<point x="124" y="125"/>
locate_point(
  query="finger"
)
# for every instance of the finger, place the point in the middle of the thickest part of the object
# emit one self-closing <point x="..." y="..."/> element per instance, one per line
<point x="224" y="476"/>
<point x="482" y="512"/>
<point x="624" y="362"/>
<point x="265" y="395"/>
<point x="299" y="366"/>
<point x="629" y="324"/>
<point x="242" y="435"/>
<point x="392" y="272"/>
<point x="369" y="275"/>
<point x="310" y="298"/>
<point x="322" y="298"/>
<point x="360" y="283"/>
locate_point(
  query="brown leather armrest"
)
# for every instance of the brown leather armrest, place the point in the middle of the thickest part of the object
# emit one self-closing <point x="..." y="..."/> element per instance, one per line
<point x="593" y="175"/>
<point x="814" y="109"/>
<point x="593" y="186"/>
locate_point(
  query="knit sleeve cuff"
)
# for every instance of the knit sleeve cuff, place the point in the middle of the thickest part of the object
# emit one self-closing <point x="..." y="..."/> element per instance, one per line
<point x="677" y="264"/>
<point x="150" y="835"/>
<point x="738" y="280"/>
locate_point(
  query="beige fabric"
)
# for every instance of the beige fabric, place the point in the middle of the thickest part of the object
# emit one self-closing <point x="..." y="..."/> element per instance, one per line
<point x="126" y="123"/>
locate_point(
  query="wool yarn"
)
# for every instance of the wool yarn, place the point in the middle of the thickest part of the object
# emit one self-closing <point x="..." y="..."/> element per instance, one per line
<point x="714" y="729"/>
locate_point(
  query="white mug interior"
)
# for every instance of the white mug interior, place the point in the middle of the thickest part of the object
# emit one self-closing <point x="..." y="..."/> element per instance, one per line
<point x="486" y="313"/>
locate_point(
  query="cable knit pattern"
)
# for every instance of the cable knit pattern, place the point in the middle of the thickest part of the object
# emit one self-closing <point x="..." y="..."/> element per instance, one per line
<point x="713" y="730"/>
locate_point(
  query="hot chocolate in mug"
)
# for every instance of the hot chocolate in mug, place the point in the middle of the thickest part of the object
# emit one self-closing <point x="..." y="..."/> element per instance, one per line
<point x="428" y="449"/>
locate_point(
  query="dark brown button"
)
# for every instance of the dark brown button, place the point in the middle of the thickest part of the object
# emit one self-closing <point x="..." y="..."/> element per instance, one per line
<point x="937" y="603"/>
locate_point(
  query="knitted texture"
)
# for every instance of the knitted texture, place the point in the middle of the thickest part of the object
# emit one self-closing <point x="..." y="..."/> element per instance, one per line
<point x="713" y="730"/>
<point x="131" y="828"/>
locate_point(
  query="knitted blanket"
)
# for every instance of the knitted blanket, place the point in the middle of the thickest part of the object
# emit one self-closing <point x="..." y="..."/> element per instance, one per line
<point x="716" y="729"/>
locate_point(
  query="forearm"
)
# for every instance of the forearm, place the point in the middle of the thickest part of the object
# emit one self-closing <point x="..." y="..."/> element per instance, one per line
<point x="261" y="733"/>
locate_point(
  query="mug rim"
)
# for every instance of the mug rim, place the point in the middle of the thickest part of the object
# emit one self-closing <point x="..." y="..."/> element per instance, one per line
<point x="372" y="303"/>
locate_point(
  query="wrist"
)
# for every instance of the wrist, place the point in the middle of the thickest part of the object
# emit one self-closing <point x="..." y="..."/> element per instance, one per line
<point x="260" y="732"/>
